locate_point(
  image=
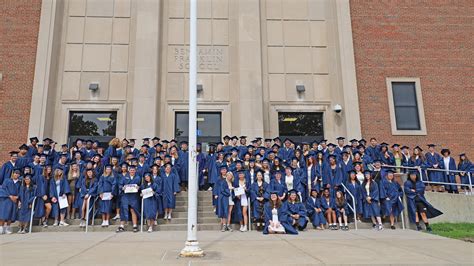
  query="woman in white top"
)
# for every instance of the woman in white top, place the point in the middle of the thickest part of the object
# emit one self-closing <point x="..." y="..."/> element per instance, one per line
<point x="243" y="187"/>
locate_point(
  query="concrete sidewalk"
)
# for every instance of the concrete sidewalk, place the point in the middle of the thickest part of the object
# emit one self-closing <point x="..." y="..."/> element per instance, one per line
<point x="162" y="248"/>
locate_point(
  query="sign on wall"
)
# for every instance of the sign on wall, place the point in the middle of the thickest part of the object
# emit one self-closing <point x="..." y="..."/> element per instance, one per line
<point x="211" y="59"/>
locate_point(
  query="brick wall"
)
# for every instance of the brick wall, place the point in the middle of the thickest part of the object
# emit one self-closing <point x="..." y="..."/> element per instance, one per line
<point x="432" y="40"/>
<point x="19" y="23"/>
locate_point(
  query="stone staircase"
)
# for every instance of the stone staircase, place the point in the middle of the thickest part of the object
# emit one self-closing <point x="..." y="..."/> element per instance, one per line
<point x="207" y="220"/>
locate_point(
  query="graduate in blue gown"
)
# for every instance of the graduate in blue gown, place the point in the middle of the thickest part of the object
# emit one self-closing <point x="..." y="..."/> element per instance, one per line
<point x="117" y="199"/>
<point x="87" y="191"/>
<point x="297" y="211"/>
<point x="9" y="196"/>
<point x="328" y="205"/>
<point x="417" y="204"/>
<point x="279" y="186"/>
<point x="128" y="186"/>
<point x="448" y="163"/>
<point x="158" y="180"/>
<point x="370" y="192"/>
<point x="258" y="197"/>
<point x="150" y="205"/>
<point x="277" y="216"/>
<point x="212" y="169"/>
<point x="106" y="185"/>
<point x="59" y="187"/>
<point x="202" y="172"/>
<point x="333" y="176"/>
<point x="391" y="196"/>
<point x="26" y="197"/>
<point x="286" y="152"/>
<point x="434" y="160"/>
<point x="314" y="211"/>
<point x="341" y="210"/>
<point x="23" y="159"/>
<point x="355" y="189"/>
<point x="170" y="188"/>
<point x="467" y="169"/>
<point x="224" y="195"/>
<point x="183" y="162"/>
<point x="7" y="168"/>
<point x="32" y="148"/>
<point x="241" y="202"/>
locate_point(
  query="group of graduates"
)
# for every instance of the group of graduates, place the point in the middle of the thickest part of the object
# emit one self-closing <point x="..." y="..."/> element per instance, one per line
<point x="279" y="185"/>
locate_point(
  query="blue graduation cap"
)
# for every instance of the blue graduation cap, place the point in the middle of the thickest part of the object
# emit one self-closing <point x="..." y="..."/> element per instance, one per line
<point x="367" y="171"/>
<point x="155" y="139"/>
<point x="431" y="145"/>
<point x="23" y="147"/>
<point x="226" y="137"/>
<point x="395" y="145"/>
<point x="35" y="139"/>
<point x="352" y="172"/>
<point x="340" y="138"/>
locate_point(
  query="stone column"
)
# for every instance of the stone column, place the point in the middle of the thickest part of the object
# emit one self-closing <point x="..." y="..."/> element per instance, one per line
<point x="143" y="122"/>
<point x="250" y="69"/>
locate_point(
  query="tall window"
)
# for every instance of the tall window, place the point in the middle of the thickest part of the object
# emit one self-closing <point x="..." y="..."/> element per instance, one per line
<point x="299" y="127"/>
<point x="100" y="126"/>
<point x="406" y="106"/>
<point x="208" y="127"/>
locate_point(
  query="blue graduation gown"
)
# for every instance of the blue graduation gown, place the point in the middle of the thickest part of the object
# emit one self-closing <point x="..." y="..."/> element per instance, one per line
<point x="419" y="194"/>
<point x="42" y="189"/>
<point x="280" y="187"/>
<point x="356" y="190"/>
<point x="467" y="167"/>
<point x="158" y="180"/>
<point x="183" y="162"/>
<point x="212" y="170"/>
<point x="170" y="186"/>
<point x="64" y="189"/>
<point x="316" y="218"/>
<point x="431" y="160"/>
<point x="286" y="154"/>
<point x="373" y="152"/>
<point x="325" y="204"/>
<point x="371" y="209"/>
<point x="201" y="159"/>
<point x="257" y="191"/>
<point x="6" y="172"/>
<point x="390" y="203"/>
<point x="449" y="177"/>
<point x="22" y="161"/>
<point x="142" y="169"/>
<point x="283" y="218"/>
<point x="223" y="193"/>
<point x="297" y="208"/>
<point x="8" y="208"/>
<point x="106" y="185"/>
<point x="129" y="200"/>
<point x="333" y="178"/>
<point x="150" y="205"/>
<point x="27" y="196"/>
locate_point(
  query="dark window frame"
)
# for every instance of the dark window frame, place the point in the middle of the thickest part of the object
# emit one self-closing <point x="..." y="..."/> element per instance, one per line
<point x="305" y="137"/>
<point x="103" y="139"/>
<point x="399" y="107"/>
<point x="203" y="139"/>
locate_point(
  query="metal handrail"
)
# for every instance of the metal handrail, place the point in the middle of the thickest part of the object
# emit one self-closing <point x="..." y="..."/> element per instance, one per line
<point x="353" y="204"/>
<point x="88" y="211"/>
<point x="141" y="216"/>
<point x="32" y="214"/>
<point x="421" y="169"/>
<point x="401" y="214"/>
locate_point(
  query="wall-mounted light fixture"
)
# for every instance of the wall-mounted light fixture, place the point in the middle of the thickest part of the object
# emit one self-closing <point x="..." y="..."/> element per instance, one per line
<point x="94" y="86"/>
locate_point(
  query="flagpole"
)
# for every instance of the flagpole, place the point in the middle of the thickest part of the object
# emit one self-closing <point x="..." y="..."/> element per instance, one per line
<point x="191" y="248"/>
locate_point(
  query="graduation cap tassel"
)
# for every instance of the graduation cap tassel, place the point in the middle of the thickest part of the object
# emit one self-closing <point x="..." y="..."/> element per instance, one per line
<point x="191" y="248"/>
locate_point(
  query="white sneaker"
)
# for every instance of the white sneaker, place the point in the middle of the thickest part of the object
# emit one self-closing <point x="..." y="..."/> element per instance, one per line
<point x="104" y="223"/>
<point x="8" y="231"/>
<point x="150" y="229"/>
<point x="169" y="216"/>
<point x="45" y="224"/>
<point x="156" y="222"/>
<point x="63" y="223"/>
<point x="107" y="223"/>
<point x="82" y="224"/>
<point x="56" y="223"/>
<point x="2" y="230"/>
<point x="244" y="229"/>
<point x="380" y="228"/>
<point x="116" y="217"/>
<point x="241" y="228"/>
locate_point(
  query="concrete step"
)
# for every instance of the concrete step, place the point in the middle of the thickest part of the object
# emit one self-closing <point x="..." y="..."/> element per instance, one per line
<point x="200" y="208"/>
<point x="201" y="214"/>
<point x="200" y="203"/>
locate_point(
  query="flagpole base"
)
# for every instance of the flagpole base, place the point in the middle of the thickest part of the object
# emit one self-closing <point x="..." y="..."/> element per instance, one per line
<point x="191" y="249"/>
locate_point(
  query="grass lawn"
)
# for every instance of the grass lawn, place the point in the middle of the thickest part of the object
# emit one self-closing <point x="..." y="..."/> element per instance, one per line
<point x="463" y="231"/>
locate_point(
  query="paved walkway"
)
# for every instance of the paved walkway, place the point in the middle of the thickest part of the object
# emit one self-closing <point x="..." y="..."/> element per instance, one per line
<point x="162" y="248"/>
